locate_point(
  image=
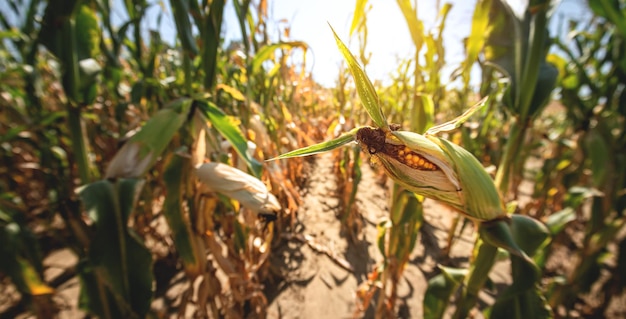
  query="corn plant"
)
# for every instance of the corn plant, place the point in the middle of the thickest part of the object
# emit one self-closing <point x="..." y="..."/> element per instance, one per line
<point x="151" y="114"/>
<point x="521" y="58"/>
<point x="436" y="168"/>
<point x="593" y="101"/>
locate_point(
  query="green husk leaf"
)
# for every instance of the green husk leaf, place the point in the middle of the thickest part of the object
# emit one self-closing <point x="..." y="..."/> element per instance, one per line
<point x="365" y="88"/>
<point x="458" y="121"/>
<point x="482" y="200"/>
<point x="321" y="147"/>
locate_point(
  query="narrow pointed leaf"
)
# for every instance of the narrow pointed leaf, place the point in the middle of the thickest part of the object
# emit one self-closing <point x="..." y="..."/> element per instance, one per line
<point x="116" y="253"/>
<point x="143" y="149"/>
<point x="231" y="132"/>
<point x="321" y="147"/>
<point x="440" y="289"/>
<point x="458" y="121"/>
<point x="266" y="52"/>
<point x="175" y="176"/>
<point x="365" y="88"/>
<point x="416" y="27"/>
<point x="359" y="13"/>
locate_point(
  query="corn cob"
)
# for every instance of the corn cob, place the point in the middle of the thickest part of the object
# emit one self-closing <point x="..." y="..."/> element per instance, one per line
<point x="435" y="168"/>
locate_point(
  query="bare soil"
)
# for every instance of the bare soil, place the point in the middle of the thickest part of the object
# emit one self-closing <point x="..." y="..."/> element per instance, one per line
<point x="316" y="271"/>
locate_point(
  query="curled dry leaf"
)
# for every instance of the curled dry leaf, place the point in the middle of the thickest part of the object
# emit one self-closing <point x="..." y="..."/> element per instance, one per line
<point x="236" y="184"/>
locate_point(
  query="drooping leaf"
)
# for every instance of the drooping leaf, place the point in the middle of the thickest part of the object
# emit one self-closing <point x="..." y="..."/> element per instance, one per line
<point x="116" y="254"/>
<point x="144" y="148"/>
<point x="522" y="237"/>
<point x="359" y="14"/>
<point x="556" y="222"/>
<point x="365" y="88"/>
<point x="176" y="174"/>
<point x="416" y="27"/>
<point x="180" y="11"/>
<point x="231" y="132"/>
<point x="458" y="121"/>
<point x="440" y="289"/>
<point x="499" y="233"/>
<point x="20" y="257"/>
<point x="529" y="233"/>
<point x="476" y="39"/>
<point x="266" y="52"/>
<point x="321" y="147"/>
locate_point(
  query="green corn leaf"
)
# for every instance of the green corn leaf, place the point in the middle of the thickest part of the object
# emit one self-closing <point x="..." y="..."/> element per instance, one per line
<point x="231" y="132"/>
<point x="528" y="304"/>
<point x="597" y="150"/>
<point x="484" y="258"/>
<point x="116" y="253"/>
<point x="266" y="52"/>
<point x="529" y="233"/>
<point x="557" y="221"/>
<point x="144" y="148"/>
<point x="424" y="116"/>
<point x="476" y="39"/>
<point x="523" y="299"/>
<point x="458" y="121"/>
<point x="416" y="27"/>
<point x="499" y="233"/>
<point x="180" y="11"/>
<point x="94" y="297"/>
<point x="440" y="289"/>
<point x="321" y="147"/>
<point x="20" y="257"/>
<point x="358" y="16"/>
<point x="175" y="176"/>
<point x="365" y="88"/>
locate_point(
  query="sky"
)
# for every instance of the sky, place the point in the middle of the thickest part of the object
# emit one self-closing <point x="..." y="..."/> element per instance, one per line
<point x="388" y="38"/>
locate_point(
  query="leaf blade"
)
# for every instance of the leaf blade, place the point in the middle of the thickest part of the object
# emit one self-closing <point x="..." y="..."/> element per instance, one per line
<point x="225" y="126"/>
<point x="365" y="88"/>
<point x="459" y="120"/>
<point x="320" y="147"/>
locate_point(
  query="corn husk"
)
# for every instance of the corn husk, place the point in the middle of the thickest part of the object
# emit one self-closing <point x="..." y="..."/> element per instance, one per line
<point x="248" y="190"/>
<point x="435" y="168"/>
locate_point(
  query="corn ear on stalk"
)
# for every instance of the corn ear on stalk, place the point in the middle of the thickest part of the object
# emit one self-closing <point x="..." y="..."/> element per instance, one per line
<point x="435" y="168"/>
<point x="236" y="184"/>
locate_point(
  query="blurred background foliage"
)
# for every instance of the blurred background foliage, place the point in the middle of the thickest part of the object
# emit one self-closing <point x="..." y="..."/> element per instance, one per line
<point x="104" y="128"/>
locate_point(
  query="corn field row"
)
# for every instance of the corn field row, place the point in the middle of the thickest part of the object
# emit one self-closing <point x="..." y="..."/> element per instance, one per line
<point x="144" y="158"/>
